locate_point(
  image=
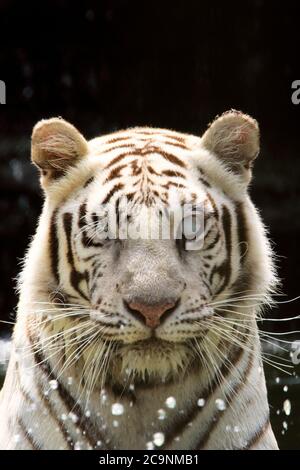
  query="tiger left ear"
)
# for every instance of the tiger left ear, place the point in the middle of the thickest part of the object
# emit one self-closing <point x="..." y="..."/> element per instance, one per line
<point x="234" y="139"/>
<point x="56" y="145"/>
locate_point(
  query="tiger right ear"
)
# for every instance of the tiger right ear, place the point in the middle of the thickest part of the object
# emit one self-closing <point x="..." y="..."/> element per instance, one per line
<point x="234" y="139"/>
<point x="56" y="145"/>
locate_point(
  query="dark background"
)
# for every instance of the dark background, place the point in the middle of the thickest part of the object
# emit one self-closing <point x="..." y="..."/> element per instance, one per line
<point x="106" y="65"/>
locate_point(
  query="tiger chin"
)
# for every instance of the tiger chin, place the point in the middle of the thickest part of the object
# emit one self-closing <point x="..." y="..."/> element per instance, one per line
<point x="141" y="342"/>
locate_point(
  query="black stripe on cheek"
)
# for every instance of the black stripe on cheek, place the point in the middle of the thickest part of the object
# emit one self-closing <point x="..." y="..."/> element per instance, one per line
<point x="82" y="222"/>
<point x="53" y="246"/>
<point x="225" y="269"/>
<point x="75" y="276"/>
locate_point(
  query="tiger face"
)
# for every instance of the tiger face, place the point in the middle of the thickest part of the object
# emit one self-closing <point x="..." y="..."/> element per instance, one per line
<point x="151" y="298"/>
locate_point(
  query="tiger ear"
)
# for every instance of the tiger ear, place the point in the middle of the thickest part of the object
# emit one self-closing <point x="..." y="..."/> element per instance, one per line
<point x="234" y="139"/>
<point x="56" y="145"/>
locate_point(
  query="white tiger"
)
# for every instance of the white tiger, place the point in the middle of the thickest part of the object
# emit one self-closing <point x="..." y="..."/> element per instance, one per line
<point x="141" y="343"/>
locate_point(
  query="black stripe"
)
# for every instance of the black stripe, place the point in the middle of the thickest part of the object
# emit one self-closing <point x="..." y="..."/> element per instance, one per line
<point x="115" y="147"/>
<point x="114" y="189"/>
<point x="45" y="403"/>
<point x="27" y="435"/>
<point x="120" y="157"/>
<point x="53" y="246"/>
<point x="168" y="156"/>
<point x="175" y="144"/>
<point x="225" y="269"/>
<point x="75" y="276"/>
<point x="257" y="435"/>
<point x="90" y="180"/>
<point x="115" y="173"/>
<point x="213" y="242"/>
<point x="172" y="173"/>
<point x="214" y="205"/>
<point x="91" y="432"/>
<point x="218" y="414"/>
<point x="174" y="184"/>
<point x="233" y="357"/>
<point x="113" y="140"/>
<point x="82" y="222"/>
<point x="203" y="181"/>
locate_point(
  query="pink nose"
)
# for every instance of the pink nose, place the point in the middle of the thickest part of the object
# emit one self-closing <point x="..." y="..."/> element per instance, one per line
<point x="151" y="313"/>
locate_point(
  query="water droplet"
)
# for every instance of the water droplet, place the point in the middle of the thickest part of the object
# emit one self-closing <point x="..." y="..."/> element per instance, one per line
<point x="117" y="409"/>
<point x="220" y="404"/>
<point x="161" y="414"/>
<point x="171" y="402"/>
<point x="70" y="380"/>
<point x="73" y="417"/>
<point x="236" y="429"/>
<point x="115" y="423"/>
<point x="201" y="402"/>
<point x="17" y="438"/>
<point x="285" y="388"/>
<point x="278" y="412"/>
<point x="228" y="428"/>
<point x="149" y="445"/>
<point x="277" y="380"/>
<point x="53" y="384"/>
<point x="87" y="413"/>
<point x="103" y="396"/>
<point x="287" y="407"/>
<point x="63" y="417"/>
<point x="131" y="387"/>
<point x="158" y="439"/>
<point x="285" y="425"/>
<point x="99" y="443"/>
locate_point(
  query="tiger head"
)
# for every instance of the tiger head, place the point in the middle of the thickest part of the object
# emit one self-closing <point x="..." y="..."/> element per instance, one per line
<point x="150" y="301"/>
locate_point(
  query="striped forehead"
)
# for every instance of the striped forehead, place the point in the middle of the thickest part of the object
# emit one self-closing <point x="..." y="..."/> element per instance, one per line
<point x="144" y="161"/>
